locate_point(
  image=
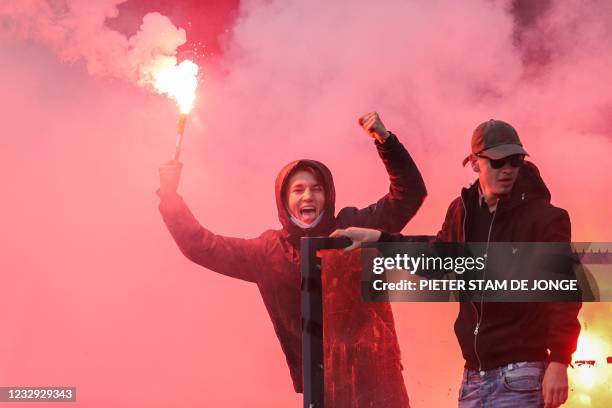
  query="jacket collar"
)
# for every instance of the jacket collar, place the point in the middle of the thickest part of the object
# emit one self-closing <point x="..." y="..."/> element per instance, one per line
<point x="528" y="187"/>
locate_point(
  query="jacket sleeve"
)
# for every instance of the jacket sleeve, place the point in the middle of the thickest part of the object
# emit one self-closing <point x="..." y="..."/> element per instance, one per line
<point x="406" y="193"/>
<point x="452" y="223"/>
<point x="234" y="257"/>
<point x="444" y="235"/>
<point x="563" y="324"/>
<point x="386" y="237"/>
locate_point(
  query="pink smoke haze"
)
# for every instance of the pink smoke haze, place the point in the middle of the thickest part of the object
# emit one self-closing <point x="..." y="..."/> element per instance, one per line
<point x="96" y="294"/>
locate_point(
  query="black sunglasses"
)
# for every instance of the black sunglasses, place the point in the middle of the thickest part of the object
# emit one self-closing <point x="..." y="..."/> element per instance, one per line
<point x="516" y="160"/>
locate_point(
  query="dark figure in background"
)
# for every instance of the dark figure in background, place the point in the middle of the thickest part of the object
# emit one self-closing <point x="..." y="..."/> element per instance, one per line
<point x="305" y="199"/>
<point x="505" y="345"/>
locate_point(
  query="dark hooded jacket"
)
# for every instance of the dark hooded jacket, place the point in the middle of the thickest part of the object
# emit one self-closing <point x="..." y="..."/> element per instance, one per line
<point x="513" y="332"/>
<point x="272" y="259"/>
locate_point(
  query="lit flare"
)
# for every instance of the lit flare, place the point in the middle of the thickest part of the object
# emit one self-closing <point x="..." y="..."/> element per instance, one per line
<point x="179" y="82"/>
<point x="591" y="375"/>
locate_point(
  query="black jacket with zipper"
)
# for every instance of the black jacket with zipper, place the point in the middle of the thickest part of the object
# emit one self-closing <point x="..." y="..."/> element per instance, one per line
<point x="513" y="332"/>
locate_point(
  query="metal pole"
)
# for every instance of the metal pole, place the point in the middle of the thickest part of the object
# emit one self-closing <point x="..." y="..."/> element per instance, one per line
<point x="312" y="317"/>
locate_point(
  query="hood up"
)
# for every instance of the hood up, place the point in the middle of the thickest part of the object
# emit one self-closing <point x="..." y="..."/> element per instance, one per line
<point x="327" y="224"/>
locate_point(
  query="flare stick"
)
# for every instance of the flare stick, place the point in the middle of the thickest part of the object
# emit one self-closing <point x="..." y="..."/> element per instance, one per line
<point x="180" y="130"/>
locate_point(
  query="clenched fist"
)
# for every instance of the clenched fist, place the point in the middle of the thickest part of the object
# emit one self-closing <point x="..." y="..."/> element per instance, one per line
<point x="371" y="123"/>
<point x="169" y="176"/>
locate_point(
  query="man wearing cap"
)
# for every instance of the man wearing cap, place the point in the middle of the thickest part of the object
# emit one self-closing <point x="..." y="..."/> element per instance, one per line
<point x="516" y="354"/>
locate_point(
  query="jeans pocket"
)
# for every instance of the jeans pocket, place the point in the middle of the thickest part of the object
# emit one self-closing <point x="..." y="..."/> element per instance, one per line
<point x="466" y="388"/>
<point x="523" y="383"/>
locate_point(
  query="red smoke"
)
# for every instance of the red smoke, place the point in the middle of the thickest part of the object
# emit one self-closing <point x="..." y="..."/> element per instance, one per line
<point x="205" y="22"/>
<point x="95" y="292"/>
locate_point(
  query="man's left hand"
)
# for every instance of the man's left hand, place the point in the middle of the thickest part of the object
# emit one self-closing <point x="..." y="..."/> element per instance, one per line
<point x="357" y="235"/>
<point x="554" y="385"/>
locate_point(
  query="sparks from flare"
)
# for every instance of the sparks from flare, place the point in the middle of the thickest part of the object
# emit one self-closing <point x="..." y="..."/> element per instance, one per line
<point x="590" y="347"/>
<point x="590" y="382"/>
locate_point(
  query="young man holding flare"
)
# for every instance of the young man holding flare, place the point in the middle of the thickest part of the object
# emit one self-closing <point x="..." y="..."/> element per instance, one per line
<point x="305" y="199"/>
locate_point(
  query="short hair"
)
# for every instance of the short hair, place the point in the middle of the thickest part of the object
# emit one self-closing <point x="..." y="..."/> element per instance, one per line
<point x="307" y="167"/>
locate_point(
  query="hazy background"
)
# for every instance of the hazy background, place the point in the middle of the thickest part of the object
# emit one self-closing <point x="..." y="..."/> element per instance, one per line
<point x="95" y="293"/>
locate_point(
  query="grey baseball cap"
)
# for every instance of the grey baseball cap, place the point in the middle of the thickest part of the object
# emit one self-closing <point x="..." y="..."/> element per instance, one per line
<point x="495" y="139"/>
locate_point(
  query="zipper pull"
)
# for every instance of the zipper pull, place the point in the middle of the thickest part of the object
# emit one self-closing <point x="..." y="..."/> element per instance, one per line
<point x="476" y="329"/>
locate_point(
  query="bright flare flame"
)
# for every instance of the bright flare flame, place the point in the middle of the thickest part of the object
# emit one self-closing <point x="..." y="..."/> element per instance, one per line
<point x="590" y="347"/>
<point x="590" y="384"/>
<point x="584" y="399"/>
<point x="179" y="82"/>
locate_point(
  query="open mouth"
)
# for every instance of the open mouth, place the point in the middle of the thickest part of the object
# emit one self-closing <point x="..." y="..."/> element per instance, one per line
<point x="308" y="212"/>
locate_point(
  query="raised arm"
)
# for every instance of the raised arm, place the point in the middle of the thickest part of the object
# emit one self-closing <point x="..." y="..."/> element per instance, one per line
<point x="406" y="191"/>
<point x="235" y="257"/>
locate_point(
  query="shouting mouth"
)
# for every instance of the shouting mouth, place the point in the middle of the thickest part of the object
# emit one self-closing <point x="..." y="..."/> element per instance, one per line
<point x="308" y="213"/>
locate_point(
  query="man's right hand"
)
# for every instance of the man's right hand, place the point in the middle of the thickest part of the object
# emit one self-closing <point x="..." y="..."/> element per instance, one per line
<point x="357" y="235"/>
<point x="169" y="176"/>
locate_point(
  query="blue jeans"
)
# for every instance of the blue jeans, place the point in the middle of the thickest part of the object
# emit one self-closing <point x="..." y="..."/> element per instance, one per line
<point x="510" y="386"/>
